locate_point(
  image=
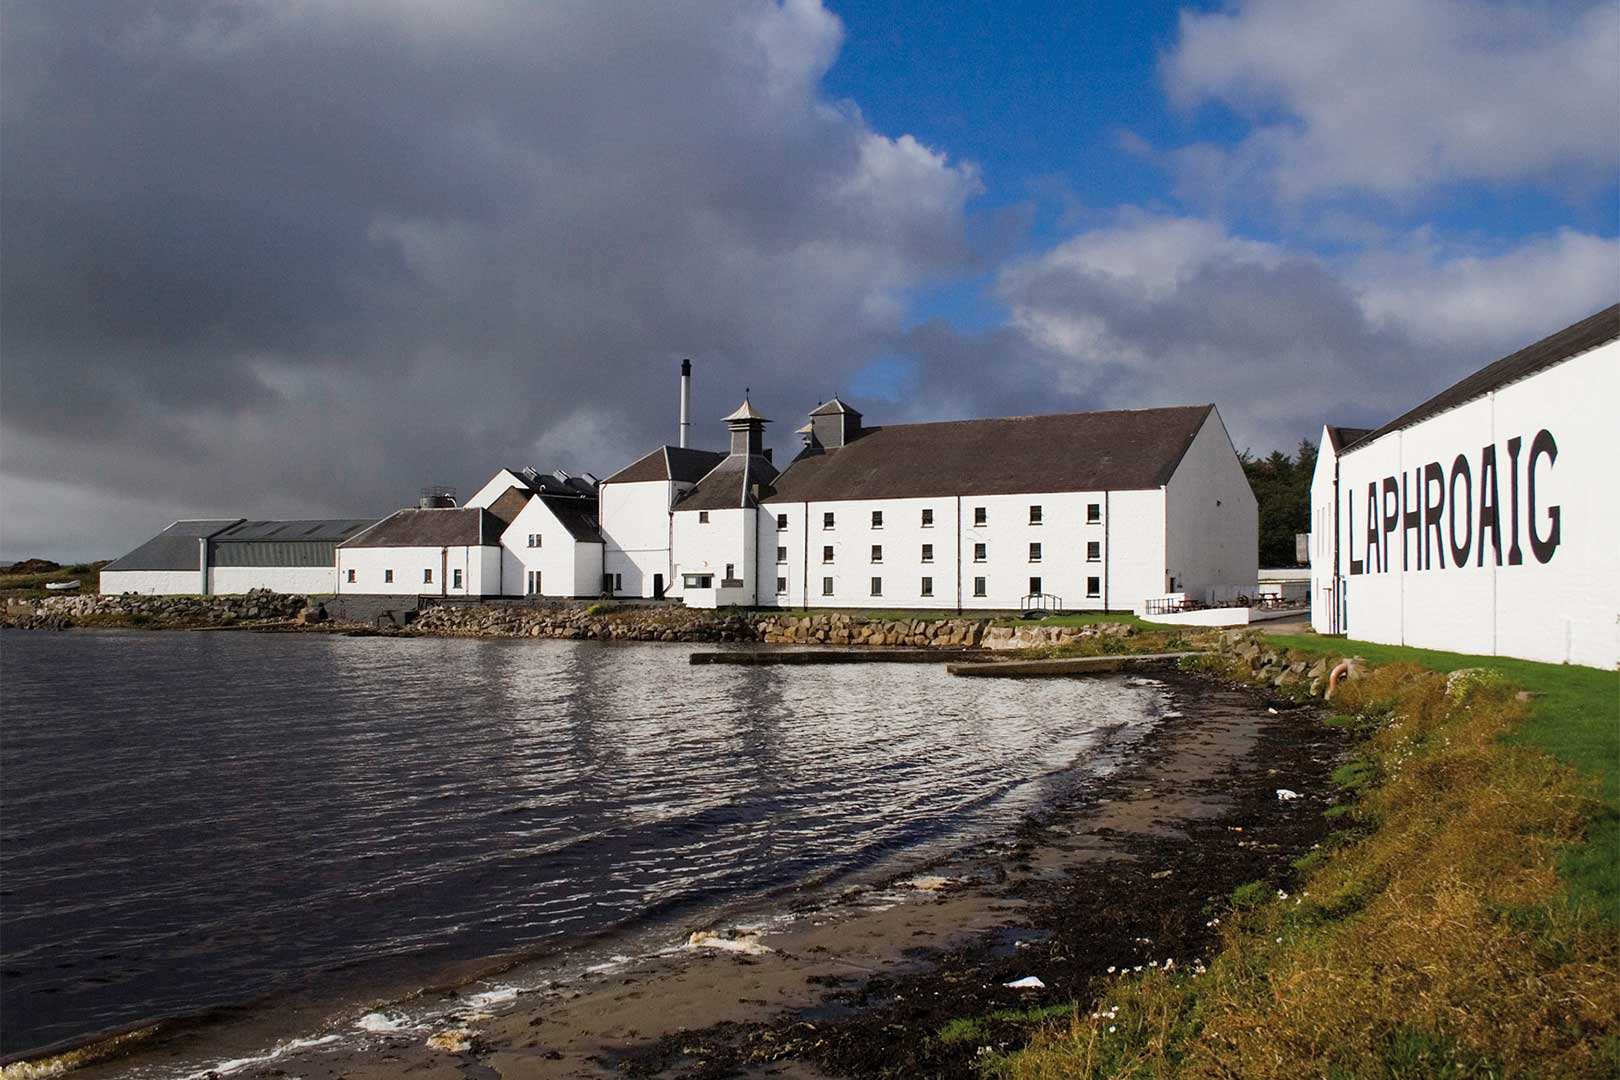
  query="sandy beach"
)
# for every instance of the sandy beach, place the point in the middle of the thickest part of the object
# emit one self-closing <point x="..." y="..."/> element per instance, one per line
<point x="1133" y="868"/>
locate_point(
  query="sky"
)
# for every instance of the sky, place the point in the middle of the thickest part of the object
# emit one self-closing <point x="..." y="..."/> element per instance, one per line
<point x="301" y="259"/>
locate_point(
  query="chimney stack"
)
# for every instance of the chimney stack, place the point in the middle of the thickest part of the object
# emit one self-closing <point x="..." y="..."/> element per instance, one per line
<point x="686" y="399"/>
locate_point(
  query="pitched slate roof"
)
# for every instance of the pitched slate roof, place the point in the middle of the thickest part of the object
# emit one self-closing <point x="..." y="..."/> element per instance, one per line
<point x="511" y="503"/>
<point x="1096" y="451"/>
<point x="730" y="484"/>
<point x="175" y="548"/>
<point x="680" y="463"/>
<point x="576" y="515"/>
<point x="448" y="527"/>
<point x="1342" y="437"/>
<point x="312" y="530"/>
<point x="1572" y="340"/>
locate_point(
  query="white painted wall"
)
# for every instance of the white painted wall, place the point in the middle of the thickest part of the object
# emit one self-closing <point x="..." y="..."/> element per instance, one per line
<point x="1129" y="535"/>
<point x="636" y="528"/>
<point x="497" y="486"/>
<point x="729" y="536"/>
<point x="1324" y="522"/>
<point x="1212" y="528"/>
<point x="568" y="567"/>
<point x="1566" y="609"/>
<point x="152" y="582"/>
<point x="293" y="580"/>
<point x="480" y="566"/>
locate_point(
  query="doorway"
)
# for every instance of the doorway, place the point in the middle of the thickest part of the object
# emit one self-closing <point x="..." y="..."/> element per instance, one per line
<point x="658" y="586"/>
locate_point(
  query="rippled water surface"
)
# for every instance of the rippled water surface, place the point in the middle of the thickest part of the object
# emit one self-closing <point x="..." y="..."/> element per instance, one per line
<point x="193" y="819"/>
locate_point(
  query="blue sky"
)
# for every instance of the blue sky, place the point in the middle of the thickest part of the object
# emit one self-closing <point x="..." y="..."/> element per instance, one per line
<point x="292" y="260"/>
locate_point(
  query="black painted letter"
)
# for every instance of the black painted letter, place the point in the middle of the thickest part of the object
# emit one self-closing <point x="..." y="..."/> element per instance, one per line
<point x="1543" y="443"/>
<point x="1515" y="556"/>
<point x="1459" y="552"/>
<point x="1489" y="504"/>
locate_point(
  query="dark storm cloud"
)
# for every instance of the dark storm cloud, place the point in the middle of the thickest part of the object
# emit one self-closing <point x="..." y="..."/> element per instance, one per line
<point x="266" y="258"/>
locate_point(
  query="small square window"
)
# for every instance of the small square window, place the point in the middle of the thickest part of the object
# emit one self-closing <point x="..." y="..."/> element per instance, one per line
<point x="1093" y="551"/>
<point x="877" y="519"/>
<point x="1034" y="586"/>
<point x="1093" y="586"/>
<point x="877" y="586"/>
<point x="703" y="517"/>
<point x="427" y="576"/>
<point x="1093" y="512"/>
<point x="827" y="553"/>
<point x="388" y="576"/>
<point x="980" y="552"/>
<point x="827" y="520"/>
<point x="1034" y="553"/>
<point x="781" y="586"/>
<point x="351" y="577"/>
<point x="781" y="522"/>
<point x="877" y="552"/>
<point x="455" y="582"/>
<point x="781" y="554"/>
<point x="978" y="586"/>
<point x="980" y="515"/>
<point x="928" y="586"/>
<point x="1034" y="515"/>
<point x="928" y="518"/>
<point x="826" y="586"/>
<point x="928" y="553"/>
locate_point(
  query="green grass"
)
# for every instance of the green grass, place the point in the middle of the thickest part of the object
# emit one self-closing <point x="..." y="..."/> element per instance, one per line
<point x="28" y="586"/>
<point x="1575" y="717"/>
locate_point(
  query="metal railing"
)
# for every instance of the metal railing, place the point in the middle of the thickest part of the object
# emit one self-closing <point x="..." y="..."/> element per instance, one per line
<point x="1047" y="602"/>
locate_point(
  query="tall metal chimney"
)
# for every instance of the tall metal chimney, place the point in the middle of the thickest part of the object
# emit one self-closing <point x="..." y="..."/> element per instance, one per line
<point x="686" y="398"/>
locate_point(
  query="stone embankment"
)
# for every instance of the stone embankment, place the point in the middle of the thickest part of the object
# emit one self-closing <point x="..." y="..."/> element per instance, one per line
<point x="1245" y="655"/>
<point x="156" y="612"/>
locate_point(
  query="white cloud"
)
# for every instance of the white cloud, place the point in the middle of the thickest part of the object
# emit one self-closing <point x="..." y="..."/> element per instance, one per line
<point x="1395" y="97"/>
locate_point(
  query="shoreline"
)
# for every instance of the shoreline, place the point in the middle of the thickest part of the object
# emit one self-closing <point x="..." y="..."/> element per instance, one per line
<point x="848" y="966"/>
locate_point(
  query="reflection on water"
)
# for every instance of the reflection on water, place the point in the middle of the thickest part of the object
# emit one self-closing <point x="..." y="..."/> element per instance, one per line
<point x="191" y="819"/>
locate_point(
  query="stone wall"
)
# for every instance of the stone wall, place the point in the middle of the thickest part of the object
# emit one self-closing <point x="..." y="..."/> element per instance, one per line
<point x="596" y="623"/>
<point x="1245" y="655"/>
<point x="92" y="609"/>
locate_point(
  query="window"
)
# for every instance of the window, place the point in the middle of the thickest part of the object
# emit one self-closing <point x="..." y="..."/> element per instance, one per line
<point x="928" y="553"/>
<point x="980" y="551"/>
<point x="618" y="582"/>
<point x="697" y="581"/>
<point x="877" y="586"/>
<point x="928" y="586"/>
<point x="1034" y="586"/>
<point x="731" y="571"/>
<point x="455" y="582"/>
<point x="427" y="576"/>
<point x="388" y="576"/>
<point x="877" y="552"/>
<point x="827" y="520"/>
<point x="877" y="519"/>
<point x="781" y="586"/>
<point x="703" y="517"/>
<point x="1093" y="551"/>
<point x="978" y="586"/>
<point x="1034" y="515"/>
<point x="781" y="554"/>
<point x="980" y="515"/>
<point x="928" y="518"/>
<point x="1034" y="553"/>
<point x="826" y="554"/>
<point x="534" y="539"/>
<point x="1093" y="512"/>
<point x="351" y="577"/>
<point x="781" y="522"/>
<point x="1093" y="586"/>
<point x="826" y="586"/>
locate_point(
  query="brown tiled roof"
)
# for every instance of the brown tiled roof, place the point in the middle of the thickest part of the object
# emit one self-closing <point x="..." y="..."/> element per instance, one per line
<point x="450" y="527"/>
<point x="510" y="504"/>
<point x="1589" y="333"/>
<point x="669" y="463"/>
<point x="730" y="484"/>
<point x="1096" y="451"/>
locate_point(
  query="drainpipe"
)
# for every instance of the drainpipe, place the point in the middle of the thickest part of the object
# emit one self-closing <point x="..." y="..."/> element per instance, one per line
<point x="1107" y="517"/>
<point x="444" y="571"/>
<point x="1335" y="594"/>
<point x="202" y="563"/>
<point x="804" y="585"/>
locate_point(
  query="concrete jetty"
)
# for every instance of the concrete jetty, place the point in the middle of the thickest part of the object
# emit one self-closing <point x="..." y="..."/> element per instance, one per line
<point x="1068" y="665"/>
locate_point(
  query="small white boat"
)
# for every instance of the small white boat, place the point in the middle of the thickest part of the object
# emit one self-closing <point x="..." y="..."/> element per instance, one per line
<point x="61" y="586"/>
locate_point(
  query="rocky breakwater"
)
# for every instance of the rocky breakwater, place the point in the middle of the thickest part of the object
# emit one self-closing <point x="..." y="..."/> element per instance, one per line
<point x="597" y="622"/>
<point x="1246" y="656"/>
<point x="152" y="612"/>
<point x="839" y="629"/>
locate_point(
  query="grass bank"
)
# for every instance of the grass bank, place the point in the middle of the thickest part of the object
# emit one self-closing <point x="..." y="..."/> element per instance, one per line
<point x="1460" y="923"/>
<point x="31" y="585"/>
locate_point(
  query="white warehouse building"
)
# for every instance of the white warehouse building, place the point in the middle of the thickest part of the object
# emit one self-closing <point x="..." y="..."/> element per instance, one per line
<point x="1081" y="511"/>
<point x="1485" y="520"/>
<point x="234" y="555"/>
